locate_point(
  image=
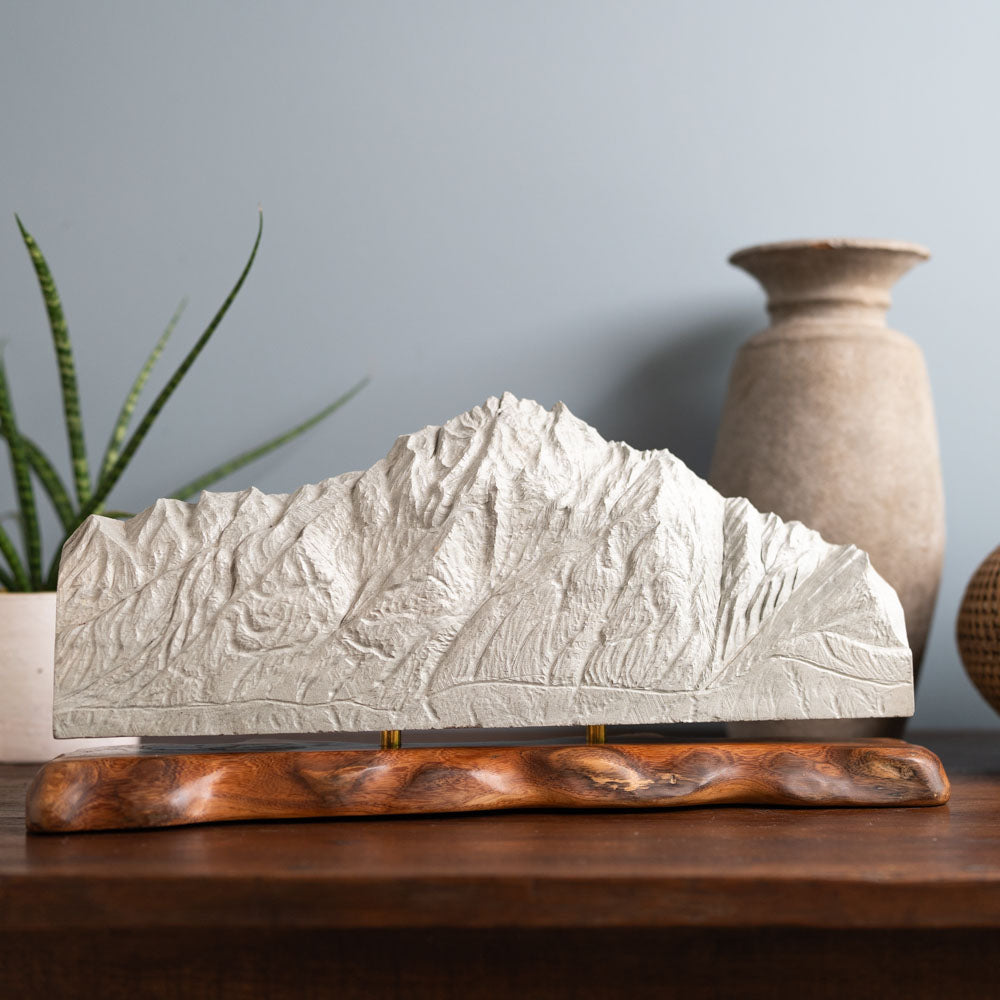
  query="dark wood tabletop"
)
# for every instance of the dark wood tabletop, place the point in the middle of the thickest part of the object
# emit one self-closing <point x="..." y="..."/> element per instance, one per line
<point x="541" y="899"/>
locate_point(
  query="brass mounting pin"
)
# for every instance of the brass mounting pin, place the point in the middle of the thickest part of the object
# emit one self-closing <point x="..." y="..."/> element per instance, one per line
<point x="595" y="734"/>
<point x="390" y="739"/>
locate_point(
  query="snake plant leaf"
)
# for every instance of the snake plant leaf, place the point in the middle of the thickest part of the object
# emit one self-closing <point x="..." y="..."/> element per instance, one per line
<point x="246" y="457"/>
<point x="118" y="515"/>
<point x="125" y="414"/>
<point x="13" y="576"/>
<point x="67" y="367"/>
<point x="51" y="482"/>
<point x="110" y="478"/>
<point x="21" y="469"/>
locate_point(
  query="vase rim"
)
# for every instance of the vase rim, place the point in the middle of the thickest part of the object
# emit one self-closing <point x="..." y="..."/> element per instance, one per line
<point x="833" y="243"/>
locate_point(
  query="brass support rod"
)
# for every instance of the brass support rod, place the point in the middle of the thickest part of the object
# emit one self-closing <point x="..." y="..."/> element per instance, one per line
<point x="595" y="734"/>
<point x="390" y="739"/>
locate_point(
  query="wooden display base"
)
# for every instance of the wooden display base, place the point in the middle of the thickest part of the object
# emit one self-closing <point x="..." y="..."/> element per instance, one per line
<point x="131" y="789"/>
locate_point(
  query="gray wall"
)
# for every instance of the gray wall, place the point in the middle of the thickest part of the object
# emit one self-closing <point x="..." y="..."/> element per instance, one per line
<point x="465" y="197"/>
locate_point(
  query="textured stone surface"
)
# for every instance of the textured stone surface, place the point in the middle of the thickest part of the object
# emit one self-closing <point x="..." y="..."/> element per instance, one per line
<point x="510" y="568"/>
<point x="829" y="417"/>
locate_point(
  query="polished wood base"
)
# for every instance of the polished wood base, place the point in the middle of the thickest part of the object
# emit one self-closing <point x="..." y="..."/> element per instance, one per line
<point x="122" y="789"/>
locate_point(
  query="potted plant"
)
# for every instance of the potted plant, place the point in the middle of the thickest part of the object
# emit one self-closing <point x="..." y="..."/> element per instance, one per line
<point x="28" y="574"/>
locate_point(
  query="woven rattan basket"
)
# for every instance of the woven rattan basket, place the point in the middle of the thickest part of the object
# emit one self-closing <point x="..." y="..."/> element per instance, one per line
<point x="978" y="629"/>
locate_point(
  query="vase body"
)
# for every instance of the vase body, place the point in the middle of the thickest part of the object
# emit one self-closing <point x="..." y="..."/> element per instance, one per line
<point x="27" y="646"/>
<point x="829" y="421"/>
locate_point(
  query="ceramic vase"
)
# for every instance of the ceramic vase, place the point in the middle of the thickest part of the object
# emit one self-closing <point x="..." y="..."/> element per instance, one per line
<point x="27" y="646"/>
<point x="829" y="421"/>
<point x="978" y="629"/>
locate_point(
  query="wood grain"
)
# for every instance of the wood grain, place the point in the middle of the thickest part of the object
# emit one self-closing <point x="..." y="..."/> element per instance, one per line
<point x="131" y="790"/>
<point x="697" y="903"/>
<point x="607" y="871"/>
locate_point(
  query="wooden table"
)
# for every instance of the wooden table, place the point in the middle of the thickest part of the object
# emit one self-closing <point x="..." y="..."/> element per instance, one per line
<point x="715" y="902"/>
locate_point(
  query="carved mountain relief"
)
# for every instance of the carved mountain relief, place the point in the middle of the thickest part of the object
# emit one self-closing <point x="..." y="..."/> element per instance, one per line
<point x="509" y="568"/>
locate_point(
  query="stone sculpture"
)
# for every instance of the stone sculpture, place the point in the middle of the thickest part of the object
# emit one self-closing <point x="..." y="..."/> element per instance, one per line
<point x="508" y="568"/>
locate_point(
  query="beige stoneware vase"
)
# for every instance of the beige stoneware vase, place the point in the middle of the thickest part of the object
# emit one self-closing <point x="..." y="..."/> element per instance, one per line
<point x="27" y="645"/>
<point x="829" y="420"/>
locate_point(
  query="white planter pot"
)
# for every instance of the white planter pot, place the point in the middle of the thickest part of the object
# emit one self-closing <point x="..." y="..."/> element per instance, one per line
<point x="27" y="645"/>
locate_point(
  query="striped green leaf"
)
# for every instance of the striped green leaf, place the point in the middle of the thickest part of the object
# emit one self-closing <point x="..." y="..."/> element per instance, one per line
<point x="51" y="482"/>
<point x="245" y="458"/>
<point x="110" y="478"/>
<point x="14" y="575"/>
<point x="21" y="469"/>
<point x="120" y="429"/>
<point x="67" y="368"/>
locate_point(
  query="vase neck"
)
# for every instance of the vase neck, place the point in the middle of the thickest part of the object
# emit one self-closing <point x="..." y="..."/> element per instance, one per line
<point x="829" y="281"/>
<point x="855" y="312"/>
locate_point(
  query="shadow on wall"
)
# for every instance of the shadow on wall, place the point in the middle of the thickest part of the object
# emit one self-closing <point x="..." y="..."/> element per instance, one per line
<point x="674" y="398"/>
